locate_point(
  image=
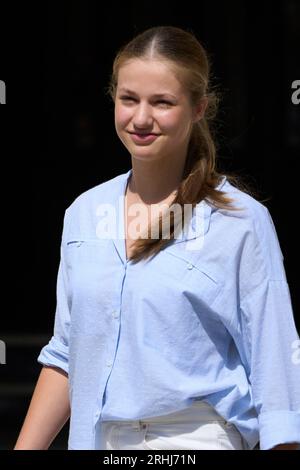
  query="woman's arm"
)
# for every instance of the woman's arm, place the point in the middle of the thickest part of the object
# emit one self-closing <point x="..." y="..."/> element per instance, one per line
<point x="48" y="411"/>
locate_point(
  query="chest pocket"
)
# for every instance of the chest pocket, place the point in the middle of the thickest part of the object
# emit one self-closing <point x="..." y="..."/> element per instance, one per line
<point x="177" y="293"/>
<point x="195" y="279"/>
<point x="87" y="261"/>
<point x="90" y="241"/>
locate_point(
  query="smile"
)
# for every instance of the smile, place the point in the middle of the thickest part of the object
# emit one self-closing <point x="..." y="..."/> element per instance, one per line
<point x="143" y="138"/>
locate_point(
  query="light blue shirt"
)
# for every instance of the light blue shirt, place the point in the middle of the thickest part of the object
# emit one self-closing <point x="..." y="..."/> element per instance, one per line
<point x="211" y="321"/>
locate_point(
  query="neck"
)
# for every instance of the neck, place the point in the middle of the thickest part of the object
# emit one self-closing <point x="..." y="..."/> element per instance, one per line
<point x="156" y="181"/>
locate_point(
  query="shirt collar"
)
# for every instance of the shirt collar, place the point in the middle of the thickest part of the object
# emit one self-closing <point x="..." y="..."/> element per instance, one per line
<point x="197" y="227"/>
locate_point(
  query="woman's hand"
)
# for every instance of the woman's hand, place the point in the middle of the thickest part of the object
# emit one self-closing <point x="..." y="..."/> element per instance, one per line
<point x="292" y="446"/>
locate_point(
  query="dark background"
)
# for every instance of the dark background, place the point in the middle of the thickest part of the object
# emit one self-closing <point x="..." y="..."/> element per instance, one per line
<point x="58" y="140"/>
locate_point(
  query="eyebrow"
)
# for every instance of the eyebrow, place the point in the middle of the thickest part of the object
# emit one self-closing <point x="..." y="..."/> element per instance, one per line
<point x="157" y="95"/>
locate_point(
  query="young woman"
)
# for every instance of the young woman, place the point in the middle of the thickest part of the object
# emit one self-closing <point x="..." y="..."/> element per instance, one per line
<point x="168" y="336"/>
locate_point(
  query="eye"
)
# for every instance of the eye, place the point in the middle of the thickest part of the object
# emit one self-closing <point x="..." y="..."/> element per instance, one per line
<point x="127" y="98"/>
<point x="164" y="103"/>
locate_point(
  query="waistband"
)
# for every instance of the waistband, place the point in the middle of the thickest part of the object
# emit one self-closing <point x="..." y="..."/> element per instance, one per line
<point x="197" y="411"/>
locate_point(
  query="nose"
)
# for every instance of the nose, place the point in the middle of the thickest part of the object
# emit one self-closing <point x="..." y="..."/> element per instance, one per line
<point x="143" y="116"/>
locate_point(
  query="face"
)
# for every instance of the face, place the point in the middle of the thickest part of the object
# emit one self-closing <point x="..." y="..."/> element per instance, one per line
<point x="153" y="113"/>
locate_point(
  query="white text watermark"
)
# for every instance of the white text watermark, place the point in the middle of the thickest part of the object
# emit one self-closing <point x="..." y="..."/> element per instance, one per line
<point x="2" y="92"/>
<point x="296" y="353"/>
<point x="192" y="229"/>
<point x="2" y="352"/>
<point x="296" y="94"/>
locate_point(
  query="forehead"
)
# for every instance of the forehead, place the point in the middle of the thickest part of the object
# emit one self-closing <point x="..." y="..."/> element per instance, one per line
<point x="145" y="76"/>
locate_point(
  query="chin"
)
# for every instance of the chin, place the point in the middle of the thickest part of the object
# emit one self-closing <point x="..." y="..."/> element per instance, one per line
<point x="144" y="155"/>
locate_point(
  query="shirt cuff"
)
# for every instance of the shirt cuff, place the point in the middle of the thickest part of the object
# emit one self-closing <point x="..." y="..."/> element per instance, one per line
<point x="278" y="427"/>
<point x="55" y="354"/>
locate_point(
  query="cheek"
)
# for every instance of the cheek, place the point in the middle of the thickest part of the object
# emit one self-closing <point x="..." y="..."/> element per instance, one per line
<point x="122" y="116"/>
<point x="175" y="123"/>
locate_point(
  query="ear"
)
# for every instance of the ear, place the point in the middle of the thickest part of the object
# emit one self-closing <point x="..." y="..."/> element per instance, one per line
<point x="200" y="109"/>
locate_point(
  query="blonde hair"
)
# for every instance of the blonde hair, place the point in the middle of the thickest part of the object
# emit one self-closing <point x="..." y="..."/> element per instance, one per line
<point x="200" y="176"/>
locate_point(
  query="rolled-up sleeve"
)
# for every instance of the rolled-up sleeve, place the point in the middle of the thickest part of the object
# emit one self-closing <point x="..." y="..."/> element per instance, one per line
<point x="269" y="338"/>
<point x="56" y="352"/>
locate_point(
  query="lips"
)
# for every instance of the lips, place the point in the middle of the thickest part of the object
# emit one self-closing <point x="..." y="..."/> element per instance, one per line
<point x="141" y="138"/>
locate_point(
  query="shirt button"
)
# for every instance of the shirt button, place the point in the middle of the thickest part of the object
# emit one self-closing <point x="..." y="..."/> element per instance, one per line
<point x="190" y="266"/>
<point x="108" y="363"/>
<point x="116" y="314"/>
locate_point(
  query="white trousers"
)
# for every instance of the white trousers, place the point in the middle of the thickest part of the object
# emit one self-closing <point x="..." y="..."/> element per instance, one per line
<point x="197" y="427"/>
